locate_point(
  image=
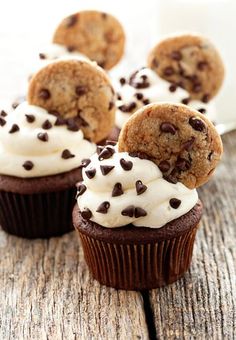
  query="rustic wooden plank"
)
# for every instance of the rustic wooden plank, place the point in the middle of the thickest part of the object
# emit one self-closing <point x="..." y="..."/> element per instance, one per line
<point x="202" y="305"/>
<point x="47" y="293"/>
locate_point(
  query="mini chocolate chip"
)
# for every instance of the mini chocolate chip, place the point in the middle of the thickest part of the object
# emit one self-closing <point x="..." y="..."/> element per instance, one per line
<point x="86" y="214"/>
<point x="60" y="121"/>
<point x="30" y="118"/>
<point x="174" y="203"/>
<point x="103" y="207"/>
<point x="168" y="71"/>
<point x="118" y="96"/>
<point x="188" y="144"/>
<point x="139" y="212"/>
<point x="129" y="211"/>
<point x="117" y="190"/>
<point x="111" y="142"/>
<point x="141" y="155"/>
<point x="106" y="153"/>
<point x="185" y="101"/>
<point x="71" y="125"/>
<point x="172" y="88"/>
<point x="206" y="98"/>
<point x="141" y="85"/>
<point x="209" y="157"/>
<point x="54" y="113"/>
<point x="139" y="95"/>
<point x="71" y="20"/>
<point x="182" y="164"/>
<point x="42" y="56"/>
<point x="170" y="178"/>
<point x="85" y="162"/>
<point x="155" y="63"/>
<point x="122" y="81"/>
<point x="126" y="165"/>
<point x="176" y="55"/>
<point x="164" y="166"/>
<point x="146" y="101"/>
<point x="44" y="94"/>
<point x="111" y="105"/>
<point x="47" y="125"/>
<point x="14" y="128"/>
<point x="140" y="187"/>
<point x="105" y="169"/>
<point x="91" y="173"/>
<point x="197" y="87"/>
<point x="2" y="121"/>
<point x="81" y="188"/>
<point x="3" y="113"/>
<point x="28" y="165"/>
<point x="202" y="65"/>
<point x="197" y="124"/>
<point x="42" y="136"/>
<point x="168" y="128"/>
<point x="66" y="154"/>
<point x="80" y="90"/>
<point x="202" y="110"/>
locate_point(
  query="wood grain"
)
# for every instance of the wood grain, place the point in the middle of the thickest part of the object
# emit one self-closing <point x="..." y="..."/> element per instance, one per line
<point x="47" y="293"/>
<point x="202" y="305"/>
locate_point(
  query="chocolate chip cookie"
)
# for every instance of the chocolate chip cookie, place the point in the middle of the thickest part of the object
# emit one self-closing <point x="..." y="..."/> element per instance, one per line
<point x="97" y="35"/>
<point x="77" y="91"/>
<point x="181" y="141"/>
<point x="190" y="61"/>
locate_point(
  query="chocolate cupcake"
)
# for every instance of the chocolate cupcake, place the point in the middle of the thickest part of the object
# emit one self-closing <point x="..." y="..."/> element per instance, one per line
<point x="137" y="224"/>
<point x="40" y="162"/>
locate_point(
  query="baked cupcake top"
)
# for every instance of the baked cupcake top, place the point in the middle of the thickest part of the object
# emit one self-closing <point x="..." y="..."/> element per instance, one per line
<point x="34" y="143"/>
<point x="144" y="86"/>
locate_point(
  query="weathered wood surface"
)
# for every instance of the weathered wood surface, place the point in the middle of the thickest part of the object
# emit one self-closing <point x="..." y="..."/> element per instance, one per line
<point x="46" y="291"/>
<point x="202" y="305"/>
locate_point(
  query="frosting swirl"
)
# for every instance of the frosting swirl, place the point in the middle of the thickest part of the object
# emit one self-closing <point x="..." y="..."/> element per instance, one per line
<point x="34" y="144"/>
<point x="119" y="189"/>
<point x="145" y="86"/>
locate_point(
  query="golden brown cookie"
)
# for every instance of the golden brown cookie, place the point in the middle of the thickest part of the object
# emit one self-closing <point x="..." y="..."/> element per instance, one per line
<point x="97" y="35"/>
<point x="78" y="91"/>
<point x="190" y="61"/>
<point x="181" y="141"/>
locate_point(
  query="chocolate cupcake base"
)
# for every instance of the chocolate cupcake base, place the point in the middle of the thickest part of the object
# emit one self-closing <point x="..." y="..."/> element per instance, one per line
<point x="138" y="258"/>
<point x="38" y="207"/>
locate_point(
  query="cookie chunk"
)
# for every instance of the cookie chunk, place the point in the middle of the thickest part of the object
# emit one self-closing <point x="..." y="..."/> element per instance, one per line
<point x="181" y="141"/>
<point x="190" y="61"/>
<point x="77" y="91"/>
<point x="97" y="35"/>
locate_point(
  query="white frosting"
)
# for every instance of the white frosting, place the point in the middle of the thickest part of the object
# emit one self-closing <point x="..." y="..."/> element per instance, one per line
<point x="23" y="145"/>
<point x="158" y="91"/>
<point x="155" y="200"/>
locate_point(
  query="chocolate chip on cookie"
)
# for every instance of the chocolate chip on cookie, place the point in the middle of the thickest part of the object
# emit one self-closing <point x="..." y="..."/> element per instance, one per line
<point x="190" y="60"/>
<point x="95" y="34"/>
<point x="181" y="141"/>
<point x="79" y="93"/>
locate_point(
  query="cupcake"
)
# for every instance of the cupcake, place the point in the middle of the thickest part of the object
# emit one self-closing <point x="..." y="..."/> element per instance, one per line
<point x="44" y="149"/>
<point x="138" y="210"/>
<point x="180" y="70"/>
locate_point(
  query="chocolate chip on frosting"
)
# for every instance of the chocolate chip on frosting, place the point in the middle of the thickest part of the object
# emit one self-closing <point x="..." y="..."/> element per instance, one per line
<point x="172" y="88"/>
<point x="85" y="162"/>
<point x="185" y="101"/>
<point x="174" y="203"/>
<point x="2" y="121"/>
<point x="60" y="121"/>
<point x="42" y="136"/>
<point x="103" y="207"/>
<point x="164" y="166"/>
<point x="117" y="190"/>
<point x="47" y="125"/>
<point x="30" y="118"/>
<point x="81" y="188"/>
<point x="139" y="95"/>
<point x="168" y="128"/>
<point x="111" y="142"/>
<point x="86" y="214"/>
<point x="129" y="211"/>
<point x="146" y="101"/>
<point x="140" y="187"/>
<point x="28" y="165"/>
<point x="66" y="154"/>
<point x="71" y="125"/>
<point x="44" y="94"/>
<point x="105" y="169"/>
<point x="42" y="56"/>
<point x="122" y="81"/>
<point x="91" y="173"/>
<point x="202" y="110"/>
<point x="126" y="165"/>
<point x="197" y="124"/>
<point x="99" y="149"/>
<point x="14" y="128"/>
<point x="106" y="153"/>
<point x="3" y="113"/>
<point x="139" y="212"/>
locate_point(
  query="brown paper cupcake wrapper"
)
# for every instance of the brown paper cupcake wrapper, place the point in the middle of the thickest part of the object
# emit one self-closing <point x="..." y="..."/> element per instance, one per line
<point x="139" y="266"/>
<point x="39" y="215"/>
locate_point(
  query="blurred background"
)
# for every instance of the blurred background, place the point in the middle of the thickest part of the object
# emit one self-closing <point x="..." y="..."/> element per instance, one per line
<point x="27" y="25"/>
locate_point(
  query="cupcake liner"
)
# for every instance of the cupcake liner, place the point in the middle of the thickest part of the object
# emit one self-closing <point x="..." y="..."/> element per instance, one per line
<point x="40" y="215"/>
<point x="139" y="266"/>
